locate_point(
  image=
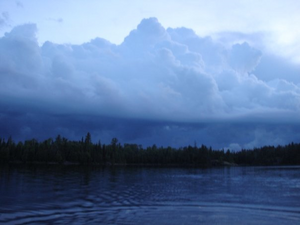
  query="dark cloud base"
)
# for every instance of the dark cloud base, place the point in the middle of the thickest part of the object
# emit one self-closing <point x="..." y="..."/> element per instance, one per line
<point x="148" y="132"/>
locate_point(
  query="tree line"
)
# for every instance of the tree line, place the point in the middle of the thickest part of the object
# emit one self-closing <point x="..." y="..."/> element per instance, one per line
<point x="61" y="151"/>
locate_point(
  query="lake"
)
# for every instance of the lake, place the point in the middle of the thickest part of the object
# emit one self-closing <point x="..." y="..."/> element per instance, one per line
<point x="40" y="194"/>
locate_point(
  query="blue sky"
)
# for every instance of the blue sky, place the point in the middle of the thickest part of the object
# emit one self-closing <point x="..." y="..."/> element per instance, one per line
<point x="219" y="73"/>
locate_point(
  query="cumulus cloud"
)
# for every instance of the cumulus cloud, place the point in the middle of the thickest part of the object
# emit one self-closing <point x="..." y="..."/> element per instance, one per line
<point x="272" y="67"/>
<point x="156" y="78"/>
<point x="243" y="58"/>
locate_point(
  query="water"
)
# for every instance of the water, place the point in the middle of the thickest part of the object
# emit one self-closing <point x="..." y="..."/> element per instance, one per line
<point x="80" y="195"/>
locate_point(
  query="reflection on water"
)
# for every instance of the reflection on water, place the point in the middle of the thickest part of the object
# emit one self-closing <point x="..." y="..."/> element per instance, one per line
<point x="80" y="195"/>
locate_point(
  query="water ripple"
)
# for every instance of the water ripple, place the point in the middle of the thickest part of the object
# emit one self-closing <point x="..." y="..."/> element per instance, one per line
<point x="149" y="196"/>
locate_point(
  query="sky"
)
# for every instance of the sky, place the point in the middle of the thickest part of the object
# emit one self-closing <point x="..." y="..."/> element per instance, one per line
<point x="224" y="74"/>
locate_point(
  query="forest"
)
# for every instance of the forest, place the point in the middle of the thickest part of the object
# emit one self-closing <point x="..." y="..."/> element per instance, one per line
<point x="84" y="151"/>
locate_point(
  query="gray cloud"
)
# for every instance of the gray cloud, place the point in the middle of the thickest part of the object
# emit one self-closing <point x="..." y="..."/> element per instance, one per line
<point x="165" y="86"/>
<point x="4" y="19"/>
<point x="19" y="4"/>
<point x="57" y="20"/>
<point x="272" y="67"/>
<point x="243" y="58"/>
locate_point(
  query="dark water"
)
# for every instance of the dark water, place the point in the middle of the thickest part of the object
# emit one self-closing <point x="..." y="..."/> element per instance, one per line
<point x="80" y="195"/>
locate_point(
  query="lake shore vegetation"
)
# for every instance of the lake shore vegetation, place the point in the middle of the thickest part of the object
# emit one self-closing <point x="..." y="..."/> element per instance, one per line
<point x="63" y="151"/>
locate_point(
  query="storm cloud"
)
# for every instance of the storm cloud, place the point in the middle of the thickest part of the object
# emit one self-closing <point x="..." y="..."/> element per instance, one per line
<point x="159" y="86"/>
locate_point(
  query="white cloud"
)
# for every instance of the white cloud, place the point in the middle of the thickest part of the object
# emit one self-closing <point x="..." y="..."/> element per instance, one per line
<point x="233" y="147"/>
<point x="157" y="71"/>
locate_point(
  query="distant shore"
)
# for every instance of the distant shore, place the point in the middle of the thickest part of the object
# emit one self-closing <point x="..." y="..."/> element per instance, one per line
<point x="62" y="151"/>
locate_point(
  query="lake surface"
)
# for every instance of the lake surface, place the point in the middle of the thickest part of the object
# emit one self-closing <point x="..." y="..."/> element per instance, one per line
<point x="95" y="195"/>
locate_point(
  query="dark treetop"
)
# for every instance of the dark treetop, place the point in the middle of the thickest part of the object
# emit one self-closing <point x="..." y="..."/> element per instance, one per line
<point x="63" y="151"/>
